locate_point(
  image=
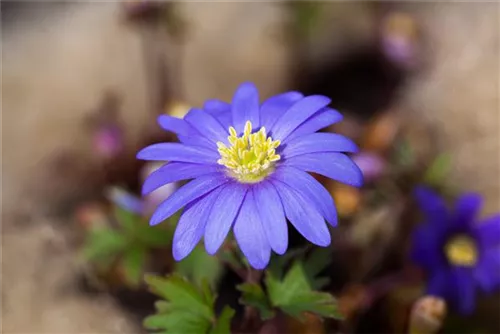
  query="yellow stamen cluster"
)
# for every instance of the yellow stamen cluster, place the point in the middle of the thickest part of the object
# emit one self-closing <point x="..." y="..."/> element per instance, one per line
<point x="249" y="158"/>
<point x="461" y="251"/>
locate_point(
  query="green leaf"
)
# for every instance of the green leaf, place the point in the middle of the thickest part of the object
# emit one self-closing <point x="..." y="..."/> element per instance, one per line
<point x="162" y="306"/>
<point x="404" y="154"/>
<point x="187" y="309"/>
<point x="320" y="303"/>
<point x="317" y="261"/>
<point x="181" y="294"/>
<point x="103" y="244"/>
<point x="126" y="219"/>
<point x="254" y="296"/>
<point x="133" y="263"/>
<point x="207" y="293"/>
<point x="295" y="281"/>
<point x="439" y="169"/>
<point x="199" y="266"/>
<point x="223" y="324"/>
<point x="177" y="322"/>
<point x="294" y="295"/>
<point x="138" y="229"/>
<point x="307" y="15"/>
<point x="153" y="236"/>
<point x="278" y="263"/>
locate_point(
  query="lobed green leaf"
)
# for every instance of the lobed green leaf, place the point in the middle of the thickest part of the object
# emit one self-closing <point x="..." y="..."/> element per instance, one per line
<point x="254" y="296"/>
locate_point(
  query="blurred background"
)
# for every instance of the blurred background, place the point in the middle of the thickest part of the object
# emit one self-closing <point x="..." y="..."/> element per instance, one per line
<point x="83" y="83"/>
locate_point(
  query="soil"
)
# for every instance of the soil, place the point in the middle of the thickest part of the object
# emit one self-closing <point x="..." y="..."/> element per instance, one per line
<point x="40" y="290"/>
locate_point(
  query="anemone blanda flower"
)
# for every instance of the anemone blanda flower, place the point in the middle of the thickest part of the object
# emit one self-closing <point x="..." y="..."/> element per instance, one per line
<point x="249" y="163"/>
<point x="458" y="253"/>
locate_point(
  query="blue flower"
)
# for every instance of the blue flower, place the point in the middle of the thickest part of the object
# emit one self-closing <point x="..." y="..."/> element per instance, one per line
<point x="458" y="253"/>
<point x="249" y="163"/>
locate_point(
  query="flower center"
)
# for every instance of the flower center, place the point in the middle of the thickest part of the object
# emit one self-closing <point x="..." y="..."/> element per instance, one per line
<point x="461" y="251"/>
<point x="251" y="157"/>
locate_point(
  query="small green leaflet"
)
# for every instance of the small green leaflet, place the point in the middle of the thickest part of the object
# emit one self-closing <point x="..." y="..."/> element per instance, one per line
<point x="103" y="246"/>
<point x="199" y="266"/>
<point x="133" y="264"/>
<point x="307" y="16"/>
<point x="317" y="261"/>
<point x="135" y="227"/>
<point x="294" y="295"/>
<point x="223" y="324"/>
<point x="129" y="243"/>
<point x="438" y="170"/>
<point x="253" y="295"/>
<point x="293" y="291"/>
<point x="186" y="308"/>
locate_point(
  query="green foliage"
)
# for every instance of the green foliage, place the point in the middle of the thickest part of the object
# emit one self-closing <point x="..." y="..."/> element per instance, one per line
<point x="129" y="244"/>
<point x="186" y="308"/>
<point x="294" y="291"/>
<point x="317" y="261"/>
<point x="223" y="324"/>
<point x="199" y="266"/>
<point x="404" y="154"/>
<point x="438" y="170"/>
<point x="133" y="262"/>
<point x="103" y="245"/>
<point x="307" y="16"/>
<point x="294" y="294"/>
<point x="253" y="295"/>
<point x="138" y="230"/>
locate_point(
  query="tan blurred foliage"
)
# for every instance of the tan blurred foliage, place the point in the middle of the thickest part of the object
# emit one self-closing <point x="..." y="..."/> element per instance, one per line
<point x="459" y="91"/>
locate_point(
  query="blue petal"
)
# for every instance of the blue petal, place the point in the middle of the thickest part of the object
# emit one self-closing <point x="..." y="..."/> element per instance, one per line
<point x="224" y="211"/>
<point x="488" y="231"/>
<point x="323" y="118"/>
<point x="272" y="216"/>
<point x="301" y="213"/>
<point x="178" y="152"/>
<point x="464" y="289"/>
<point x="207" y="125"/>
<point x="426" y="248"/>
<point x="220" y="110"/>
<point x="173" y="172"/>
<point x="197" y="140"/>
<point x="185" y="132"/>
<point x="191" y="225"/>
<point x="250" y="235"/>
<point x="487" y="272"/>
<point x="274" y="107"/>
<point x="316" y="143"/>
<point x="186" y="194"/>
<point x="175" y="125"/>
<point x="296" y="114"/>
<point x="433" y="206"/>
<point x="311" y="189"/>
<point x="438" y="284"/>
<point x="216" y="107"/>
<point x="336" y="166"/>
<point x="467" y="207"/>
<point x="245" y="106"/>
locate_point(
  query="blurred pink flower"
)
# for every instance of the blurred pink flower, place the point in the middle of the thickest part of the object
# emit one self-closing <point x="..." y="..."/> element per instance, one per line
<point x="372" y="165"/>
<point x="108" y="141"/>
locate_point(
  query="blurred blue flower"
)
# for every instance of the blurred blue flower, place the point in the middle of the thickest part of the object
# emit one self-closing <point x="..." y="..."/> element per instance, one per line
<point x="249" y="163"/>
<point x="458" y="253"/>
<point x="125" y="200"/>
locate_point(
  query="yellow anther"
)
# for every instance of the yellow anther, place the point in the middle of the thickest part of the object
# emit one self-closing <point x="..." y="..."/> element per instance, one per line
<point x="251" y="157"/>
<point x="461" y="251"/>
